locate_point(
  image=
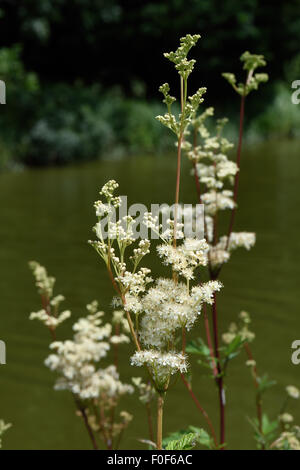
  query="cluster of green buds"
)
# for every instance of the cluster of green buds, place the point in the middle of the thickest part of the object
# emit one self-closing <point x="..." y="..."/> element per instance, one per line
<point x="251" y="63"/>
<point x="179" y="57"/>
<point x="189" y="104"/>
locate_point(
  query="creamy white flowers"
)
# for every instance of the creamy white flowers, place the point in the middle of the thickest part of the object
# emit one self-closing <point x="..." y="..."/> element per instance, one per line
<point x="76" y="360"/>
<point x="48" y="320"/>
<point x="242" y="330"/>
<point x="293" y="391"/>
<point x="146" y="391"/>
<point x="96" y="387"/>
<point x="185" y="258"/>
<point x="162" y="306"/>
<point x="44" y="283"/>
<point x="216" y="174"/>
<point x="162" y="365"/>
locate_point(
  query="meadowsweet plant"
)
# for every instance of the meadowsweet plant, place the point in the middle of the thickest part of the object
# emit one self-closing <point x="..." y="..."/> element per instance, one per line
<point x="157" y="310"/>
<point x="189" y="104"/>
<point x="155" y="314"/>
<point x="215" y="174"/>
<point x="250" y="63"/>
<point x="78" y="362"/>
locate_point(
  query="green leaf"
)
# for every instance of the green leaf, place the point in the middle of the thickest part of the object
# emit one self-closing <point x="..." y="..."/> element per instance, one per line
<point x="187" y="439"/>
<point x="268" y="426"/>
<point x="186" y="442"/>
<point x="203" y="437"/>
<point x="233" y="348"/>
<point x="268" y="433"/>
<point x="197" y="346"/>
<point x="264" y="383"/>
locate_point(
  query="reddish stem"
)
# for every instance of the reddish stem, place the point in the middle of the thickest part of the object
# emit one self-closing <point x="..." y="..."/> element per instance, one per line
<point x="209" y="342"/>
<point x="47" y="308"/>
<point x="86" y="422"/>
<point x="178" y="171"/>
<point x="220" y="378"/>
<point x="202" y="411"/>
<point x="238" y="161"/>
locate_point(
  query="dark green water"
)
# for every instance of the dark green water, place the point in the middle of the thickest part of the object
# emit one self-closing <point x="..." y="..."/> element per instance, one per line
<point x="47" y="215"/>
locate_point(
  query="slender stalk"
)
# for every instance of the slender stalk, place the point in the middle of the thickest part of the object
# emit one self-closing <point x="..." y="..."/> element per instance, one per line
<point x="202" y="411"/>
<point x="86" y="422"/>
<point x="258" y="399"/>
<point x="220" y="378"/>
<point x="160" y="407"/>
<point x="105" y="434"/>
<point x="178" y="171"/>
<point x="135" y="339"/>
<point x="47" y="308"/>
<point x="183" y="340"/>
<point x="183" y="92"/>
<point x="209" y="341"/>
<point x="150" y="423"/>
<point x="133" y="334"/>
<point x="119" y="439"/>
<point x="238" y="162"/>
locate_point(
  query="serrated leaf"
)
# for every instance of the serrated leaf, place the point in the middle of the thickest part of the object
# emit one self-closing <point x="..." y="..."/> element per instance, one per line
<point x="186" y="442"/>
<point x="203" y="437"/>
<point x="187" y="439"/>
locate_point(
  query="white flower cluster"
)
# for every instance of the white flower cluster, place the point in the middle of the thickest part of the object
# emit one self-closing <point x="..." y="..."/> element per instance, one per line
<point x="49" y="320"/>
<point x="286" y="418"/>
<point x="49" y="314"/>
<point x="76" y="360"/>
<point x="220" y="253"/>
<point x="44" y="283"/>
<point x="215" y="201"/>
<point x="166" y="306"/>
<point x="146" y="391"/>
<point x="162" y="365"/>
<point x="216" y="173"/>
<point x="293" y="391"/>
<point x="122" y="328"/>
<point x="185" y="258"/>
<point x="241" y="330"/>
<point x="288" y="440"/>
<point x="239" y="240"/>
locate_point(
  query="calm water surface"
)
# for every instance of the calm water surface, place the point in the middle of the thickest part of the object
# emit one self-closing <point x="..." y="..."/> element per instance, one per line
<point x="47" y="215"/>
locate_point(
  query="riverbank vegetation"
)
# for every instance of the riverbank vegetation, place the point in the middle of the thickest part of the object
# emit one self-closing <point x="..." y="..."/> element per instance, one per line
<point x="158" y="313"/>
<point x="87" y="89"/>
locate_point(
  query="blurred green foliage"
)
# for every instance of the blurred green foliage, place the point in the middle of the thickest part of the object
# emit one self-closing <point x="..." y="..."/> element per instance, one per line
<point x="58" y="123"/>
<point x="57" y="112"/>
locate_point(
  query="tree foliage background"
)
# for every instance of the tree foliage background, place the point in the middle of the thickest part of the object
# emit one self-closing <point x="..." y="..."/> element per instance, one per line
<point x="112" y="51"/>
